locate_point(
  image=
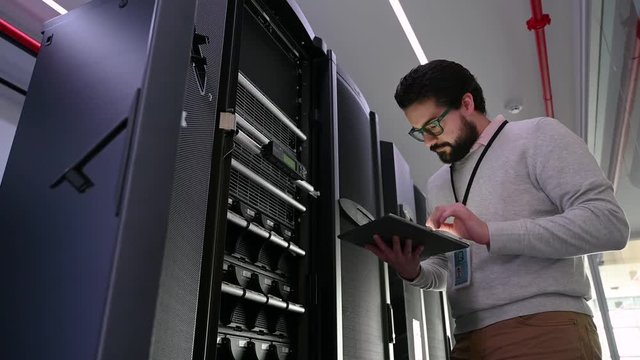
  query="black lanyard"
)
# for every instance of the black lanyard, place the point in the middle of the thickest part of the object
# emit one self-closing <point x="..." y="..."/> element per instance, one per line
<point x="475" y="168"/>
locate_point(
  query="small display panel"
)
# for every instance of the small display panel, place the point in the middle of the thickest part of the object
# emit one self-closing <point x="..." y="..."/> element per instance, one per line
<point x="278" y="155"/>
<point x="289" y="161"/>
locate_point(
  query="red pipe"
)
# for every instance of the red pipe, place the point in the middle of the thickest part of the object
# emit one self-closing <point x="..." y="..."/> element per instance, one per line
<point x="628" y="109"/>
<point x="537" y="22"/>
<point x="18" y="36"/>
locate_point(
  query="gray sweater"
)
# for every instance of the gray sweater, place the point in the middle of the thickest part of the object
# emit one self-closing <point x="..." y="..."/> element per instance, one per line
<point x="546" y="202"/>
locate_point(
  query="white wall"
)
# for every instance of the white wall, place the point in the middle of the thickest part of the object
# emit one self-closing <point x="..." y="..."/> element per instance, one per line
<point x="16" y="67"/>
<point x="10" y="107"/>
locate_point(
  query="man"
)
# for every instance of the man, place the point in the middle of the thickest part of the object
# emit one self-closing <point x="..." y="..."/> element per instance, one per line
<point x="530" y="199"/>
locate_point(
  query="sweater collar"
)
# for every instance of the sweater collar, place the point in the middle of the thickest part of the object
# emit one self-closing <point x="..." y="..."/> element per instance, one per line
<point x="488" y="132"/>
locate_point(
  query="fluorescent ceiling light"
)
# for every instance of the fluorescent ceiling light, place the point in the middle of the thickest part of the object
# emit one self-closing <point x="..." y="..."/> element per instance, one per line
<point x="406" y="26"/>
<point x="55" y="6"/>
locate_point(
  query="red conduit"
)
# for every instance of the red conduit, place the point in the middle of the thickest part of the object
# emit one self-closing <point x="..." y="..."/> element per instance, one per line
<point x="628" y="108"/>
<point x="19" y="37"/>
<point x="537" y="22"/>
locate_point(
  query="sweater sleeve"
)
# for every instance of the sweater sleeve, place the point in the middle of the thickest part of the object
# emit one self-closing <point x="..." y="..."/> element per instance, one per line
<point x="589" y="219"/>
<point x="433" y="271"/>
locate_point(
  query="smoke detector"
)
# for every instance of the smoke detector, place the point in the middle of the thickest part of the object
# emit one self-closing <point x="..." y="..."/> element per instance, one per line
<point x="513" y="107"/>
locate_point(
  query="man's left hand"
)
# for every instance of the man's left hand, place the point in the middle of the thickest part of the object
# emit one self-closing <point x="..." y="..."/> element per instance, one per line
<point x="465" y="223"/>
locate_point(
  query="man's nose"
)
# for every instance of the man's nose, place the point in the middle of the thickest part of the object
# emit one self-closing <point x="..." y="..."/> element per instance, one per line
<point x="428" y="140"/>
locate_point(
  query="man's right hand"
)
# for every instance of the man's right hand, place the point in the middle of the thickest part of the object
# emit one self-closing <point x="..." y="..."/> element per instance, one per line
<point x="405" y="261"/>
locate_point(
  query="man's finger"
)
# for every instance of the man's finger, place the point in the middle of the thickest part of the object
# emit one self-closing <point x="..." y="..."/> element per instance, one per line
<point x="418" y="252"/>
<point x="386" y="250"/>
<point x="408" y="247"/>
<point x="432" y="220"/>
<point x="396" y="247"/>
<point x="436" y="216"/>
<point x="376" y="252"/>
<point x="459" y="213"/>
<point x="429" y="223"/>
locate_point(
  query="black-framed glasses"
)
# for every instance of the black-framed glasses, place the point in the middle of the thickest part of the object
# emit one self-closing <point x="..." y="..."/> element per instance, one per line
<point x="431" y="127"/>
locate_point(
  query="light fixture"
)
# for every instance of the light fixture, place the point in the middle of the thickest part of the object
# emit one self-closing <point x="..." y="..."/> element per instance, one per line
<point x="513" y="106"/>
<point x="55" y="6"/>
<point x="408" y="31"/>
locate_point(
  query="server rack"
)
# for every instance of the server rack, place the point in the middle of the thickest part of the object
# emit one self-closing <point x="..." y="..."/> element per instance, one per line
<point x="419" y="316"/>
<point x="407" y="301"/>
<point x="265" y="299"/>
<point x="127" y="197"/>
<point x="366" y="325"/>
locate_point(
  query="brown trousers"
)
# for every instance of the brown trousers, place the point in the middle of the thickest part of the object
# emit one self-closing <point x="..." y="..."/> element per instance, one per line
<point x="561" y="335"/>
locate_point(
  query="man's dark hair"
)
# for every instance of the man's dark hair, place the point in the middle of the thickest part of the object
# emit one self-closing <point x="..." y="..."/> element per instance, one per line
<point x="442" y="80"/>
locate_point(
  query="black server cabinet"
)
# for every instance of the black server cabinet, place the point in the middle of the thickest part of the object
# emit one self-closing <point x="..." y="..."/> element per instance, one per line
<point x="343" y="278"/>
<point x="272" y="195"/>
<point x="102" y="205"/>
<point x="406" y="300"/>
<point x="365" y="327"/>
<point x="434" y="310"/>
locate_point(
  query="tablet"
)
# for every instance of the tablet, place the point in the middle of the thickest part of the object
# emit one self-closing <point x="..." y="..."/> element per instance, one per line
<point x="435" y="242"/>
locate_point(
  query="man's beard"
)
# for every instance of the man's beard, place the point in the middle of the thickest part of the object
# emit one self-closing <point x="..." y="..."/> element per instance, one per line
<point x="461" y="146"/>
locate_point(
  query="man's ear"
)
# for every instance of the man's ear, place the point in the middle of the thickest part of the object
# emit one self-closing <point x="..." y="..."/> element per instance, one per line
<point x="468" y="106"/>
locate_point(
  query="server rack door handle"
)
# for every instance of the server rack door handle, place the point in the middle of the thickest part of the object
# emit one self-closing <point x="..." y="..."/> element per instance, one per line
<point x="198" y="60"/>
<point x="391" y="332"/>
<point x="75" y="174"/>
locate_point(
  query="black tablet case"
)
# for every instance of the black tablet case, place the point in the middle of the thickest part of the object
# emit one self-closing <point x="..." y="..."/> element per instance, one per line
<point x="434" y="242"/>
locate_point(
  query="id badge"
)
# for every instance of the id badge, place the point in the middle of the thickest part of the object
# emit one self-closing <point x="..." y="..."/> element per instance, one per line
<point x="461" y="268"/>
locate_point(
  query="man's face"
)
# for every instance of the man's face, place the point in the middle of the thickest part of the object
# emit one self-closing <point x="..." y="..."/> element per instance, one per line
<point x="458" y="136"/>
